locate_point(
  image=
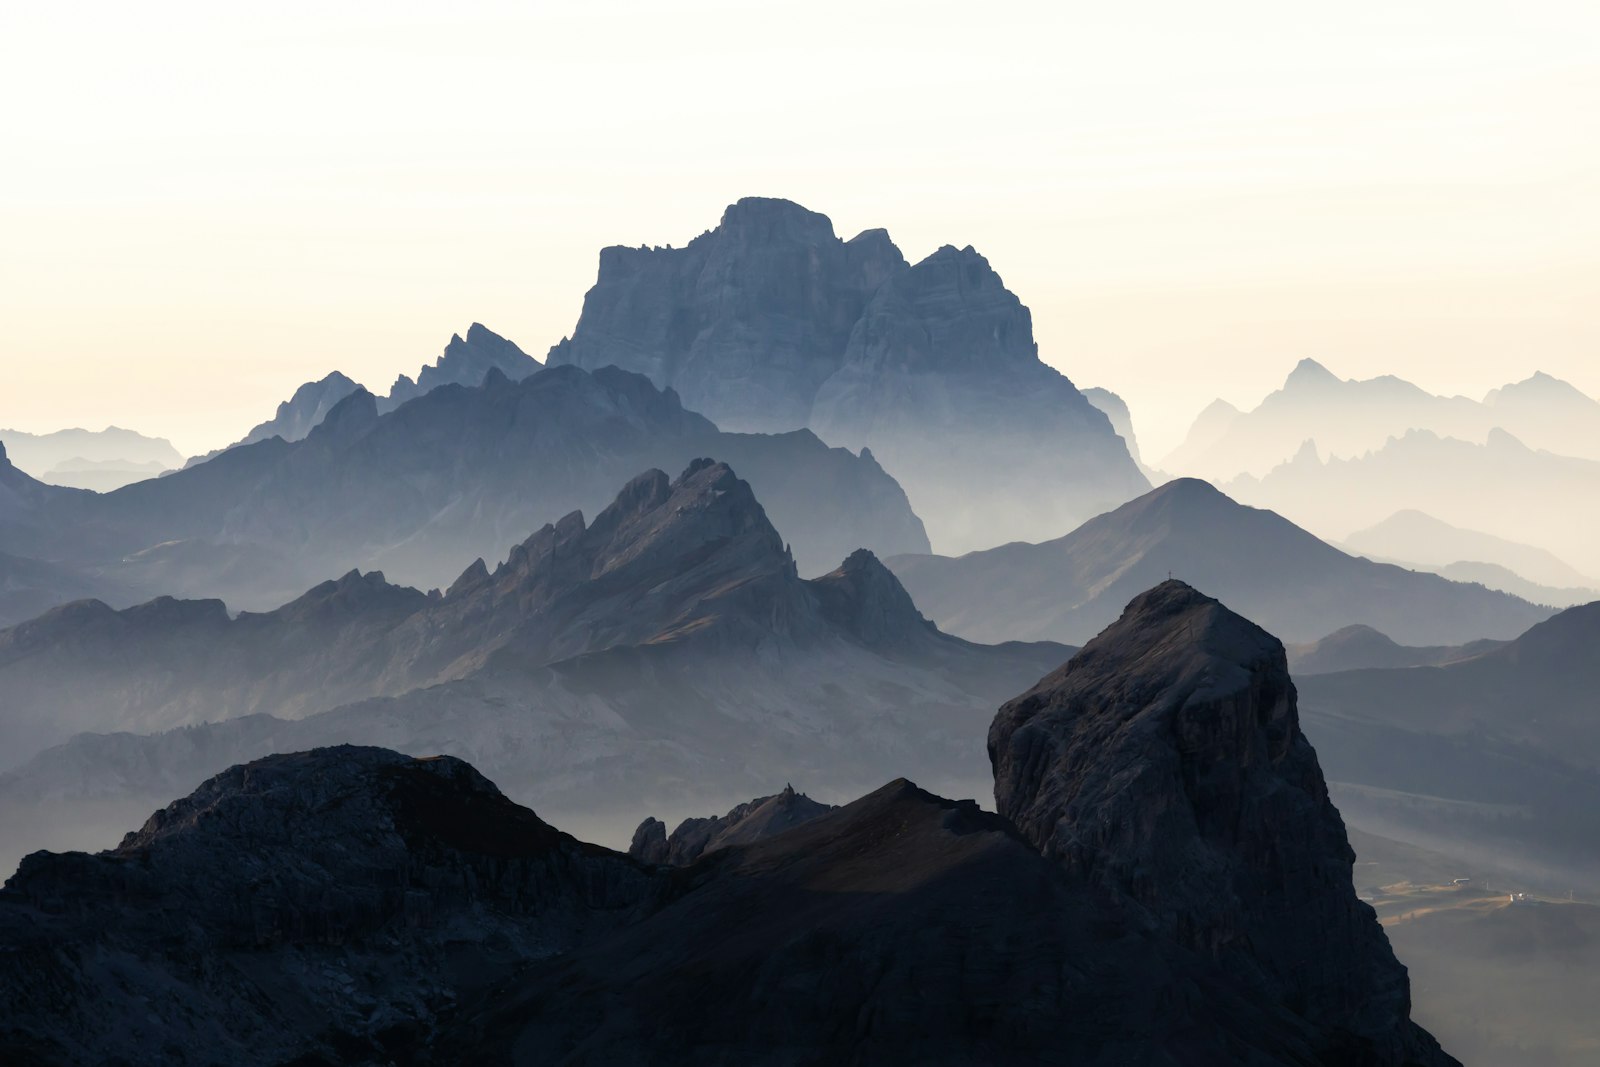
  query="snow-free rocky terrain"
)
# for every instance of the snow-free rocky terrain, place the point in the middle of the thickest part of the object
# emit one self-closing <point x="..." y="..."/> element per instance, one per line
<point x="353" y="905"/>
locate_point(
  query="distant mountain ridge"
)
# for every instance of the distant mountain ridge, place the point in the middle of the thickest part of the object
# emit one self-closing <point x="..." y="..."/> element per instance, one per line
<point x="771" y="322"/>
<point x="1500" y="487"/>
<point x="90" y="459"/>
<point x="456" y="473"/>
<point x="1494" y="754"/>
<point x="465" y="361"/>
<point x="638" y="659"/>
<point x="1420" y="538"/>
<point x="1348" y="417"/>
<point x="1069" y="588"/>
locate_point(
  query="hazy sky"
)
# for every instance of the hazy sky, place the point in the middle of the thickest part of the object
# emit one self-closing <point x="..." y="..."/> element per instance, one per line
<point x="203" y="205"/>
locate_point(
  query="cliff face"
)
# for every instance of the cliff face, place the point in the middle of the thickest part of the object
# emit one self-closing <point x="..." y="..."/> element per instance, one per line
<point x="1165" y="764"/>
<point x="770" y="322"/>
<point x="942" y="379"/>
<point x="745" y="322"/>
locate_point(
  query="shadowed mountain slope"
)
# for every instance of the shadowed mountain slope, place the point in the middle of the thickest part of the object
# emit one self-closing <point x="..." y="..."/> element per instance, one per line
<point x="458" y="473"/>
<point x="643" y="658"/>
<point x="1069" y="588"/>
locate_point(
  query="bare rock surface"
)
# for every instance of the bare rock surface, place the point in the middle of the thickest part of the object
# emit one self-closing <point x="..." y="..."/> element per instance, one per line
<point x="1165" y="764"/>
<point x="771" y="322"/>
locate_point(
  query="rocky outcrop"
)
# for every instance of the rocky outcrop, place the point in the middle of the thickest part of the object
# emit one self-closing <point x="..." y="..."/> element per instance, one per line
<point x="771" y="322"/>
<point x="465" y="361"/>
<point x="753" y="821"/>
<point x="1164" y="764"/>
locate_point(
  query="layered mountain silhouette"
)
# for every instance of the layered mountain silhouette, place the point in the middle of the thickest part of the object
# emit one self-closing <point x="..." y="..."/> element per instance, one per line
<point x="1425" y="543"/>
<point x="295" y="417"/>
<point x="1348" y="418"/>
<point x="1500" y="487"/>
<point x="90" y="459"/>
<point x="353" y="904"/>
<point x="465" y="361"/>
<point x="29" y="587"/>
<point x="770" y="322"/>
<point x="1299" y="586"/>
<point x="457" y="473"/>
<point x="1354" y="647"/>
<point x="1497" y="752"/>
<point x="666" y="653"/>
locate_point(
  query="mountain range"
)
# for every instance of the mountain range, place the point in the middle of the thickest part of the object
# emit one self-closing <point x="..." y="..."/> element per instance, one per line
<point x="1493" y="753"/>
<point x="1423" y="542"/>
<point x="457" y="473"/>
<point x="1348" y="418"/>
<point x="1069" y="588"/>
<point x="464" y="361"/>
<point x="354" y="904"/>
<point x="1355" y="647"/>
<point x="1499" y="487"/>
<point x="666" y="653"/>
<point x="90" y="459"/>
<point x="770" y="322"/>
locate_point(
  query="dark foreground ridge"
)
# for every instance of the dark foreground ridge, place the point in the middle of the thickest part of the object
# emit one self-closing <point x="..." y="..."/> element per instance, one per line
<point x="353" y="905"/>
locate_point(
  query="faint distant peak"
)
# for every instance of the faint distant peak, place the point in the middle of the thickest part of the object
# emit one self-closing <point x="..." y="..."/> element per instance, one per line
<point x="1539" y="387"/>
<point x="1309" y="374"/>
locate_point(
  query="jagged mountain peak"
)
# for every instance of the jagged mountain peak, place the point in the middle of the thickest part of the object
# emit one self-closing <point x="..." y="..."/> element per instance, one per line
<point x="864" y="598"/>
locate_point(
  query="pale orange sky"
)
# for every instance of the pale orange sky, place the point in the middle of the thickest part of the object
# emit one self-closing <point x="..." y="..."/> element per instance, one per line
<point x="202" y="208"/>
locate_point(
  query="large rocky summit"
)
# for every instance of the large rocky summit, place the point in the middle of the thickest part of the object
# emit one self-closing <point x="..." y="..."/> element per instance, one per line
<point x="746" y="321"/>
<point x="770" y="321"/>
<point x="1164" y="764"/>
